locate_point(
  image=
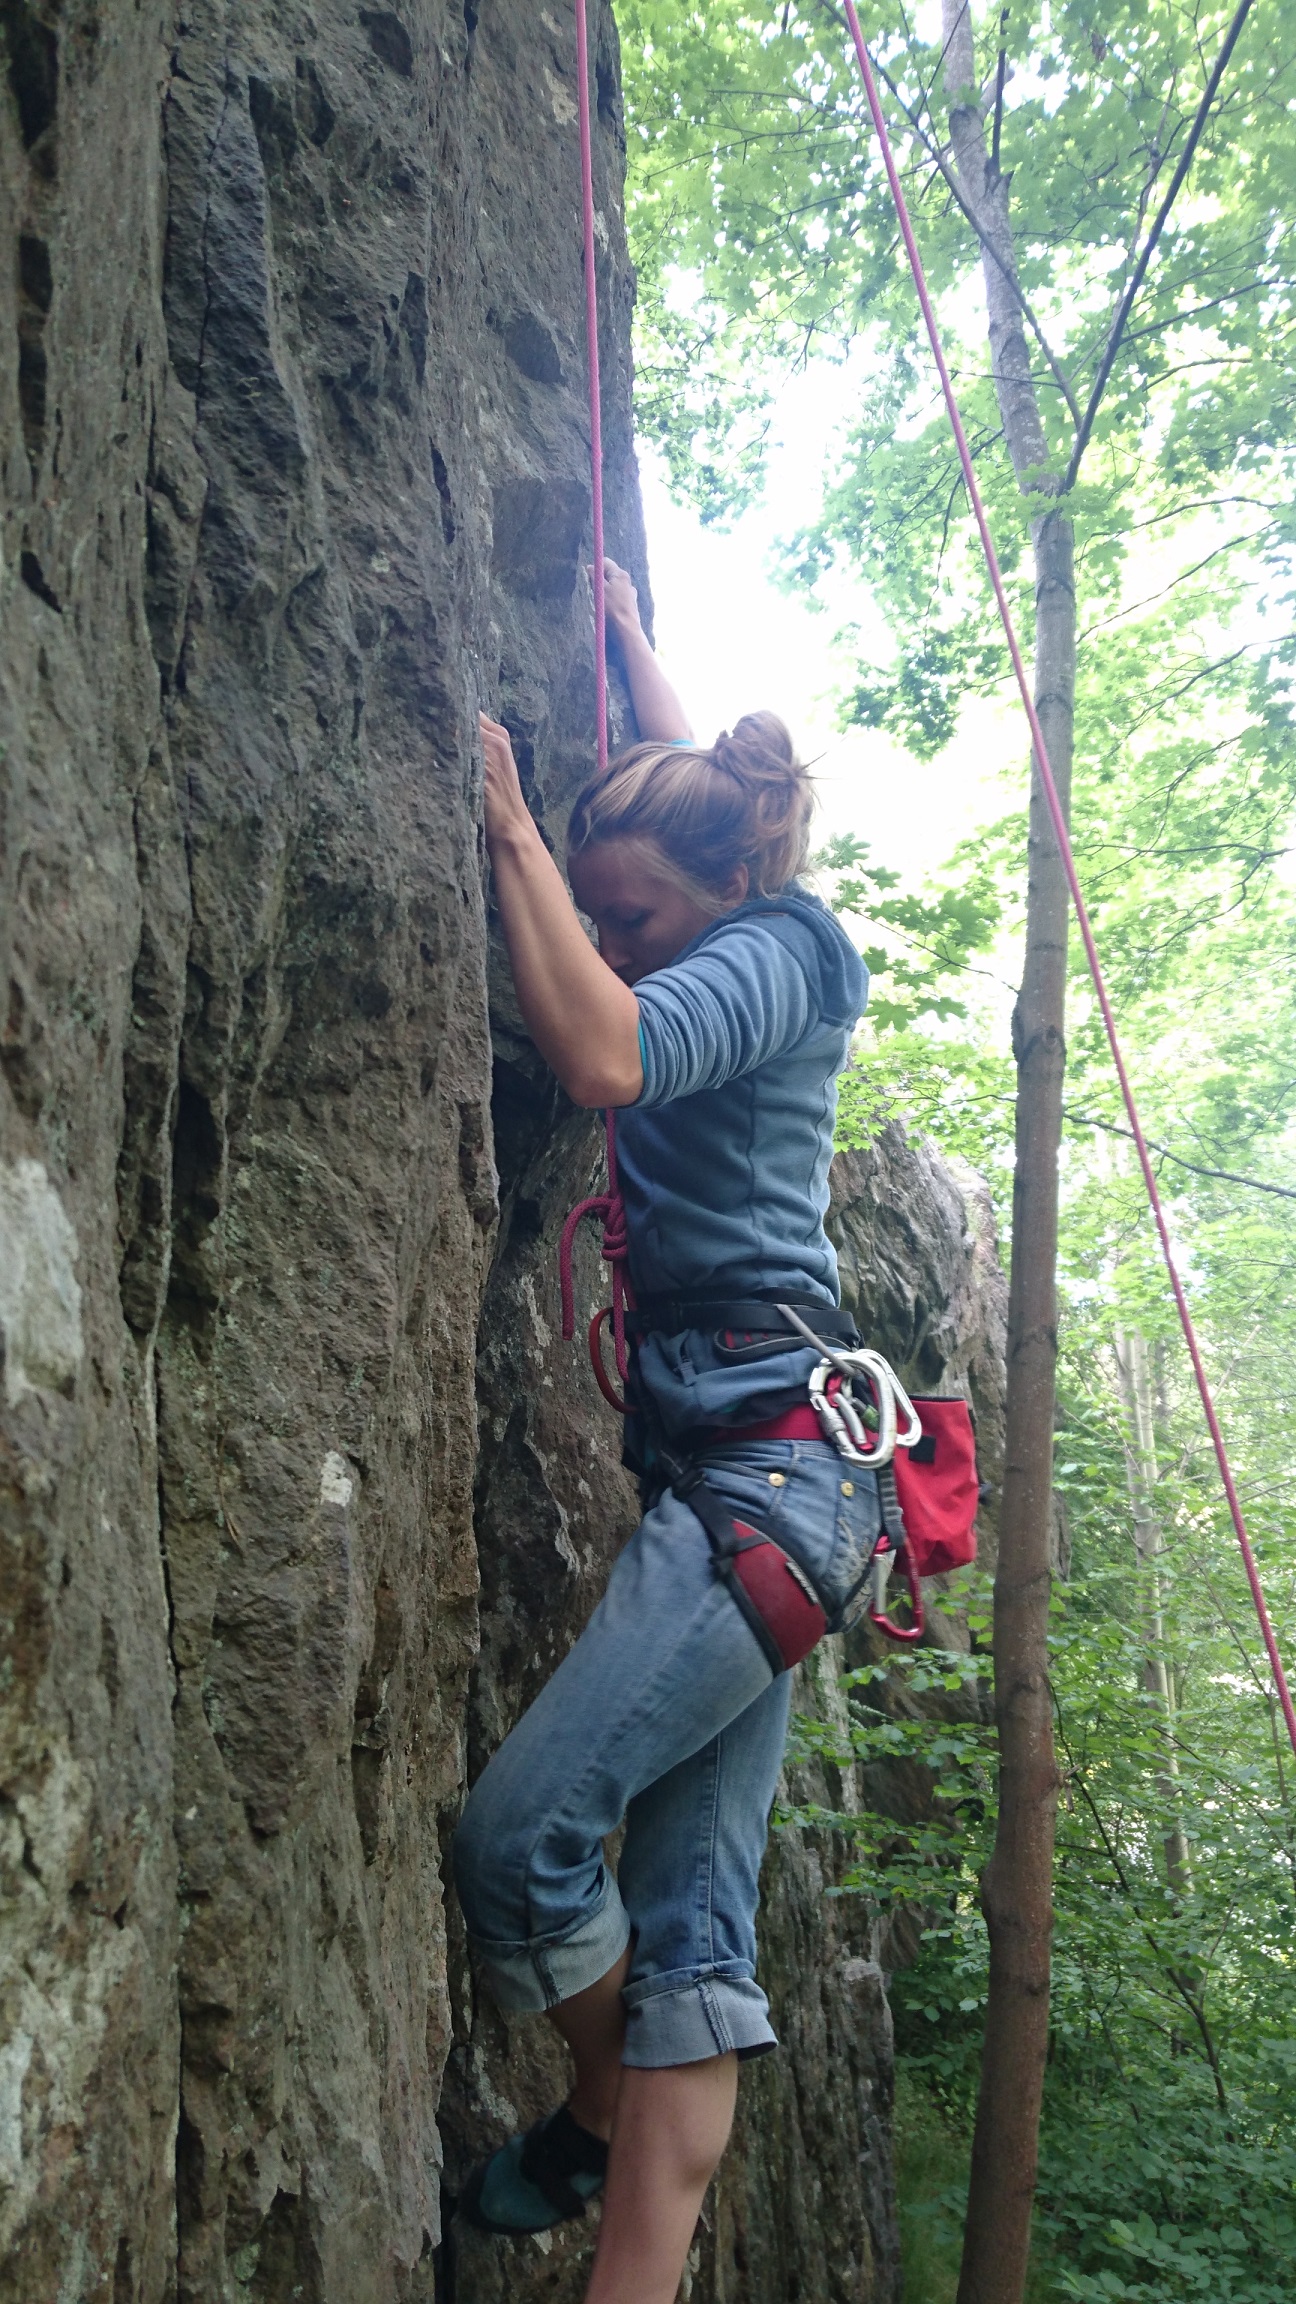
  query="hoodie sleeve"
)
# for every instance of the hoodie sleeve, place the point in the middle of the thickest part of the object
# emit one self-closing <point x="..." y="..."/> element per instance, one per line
<point x="743" y="996"/>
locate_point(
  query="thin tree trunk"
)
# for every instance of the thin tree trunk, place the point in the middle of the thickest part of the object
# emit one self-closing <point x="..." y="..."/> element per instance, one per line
<point x="1017" y="1888"/>
<point x="1132" y="1363"/>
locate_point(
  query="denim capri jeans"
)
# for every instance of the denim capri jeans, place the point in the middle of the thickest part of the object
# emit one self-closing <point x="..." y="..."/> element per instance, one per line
<point x="666" y="1714"/>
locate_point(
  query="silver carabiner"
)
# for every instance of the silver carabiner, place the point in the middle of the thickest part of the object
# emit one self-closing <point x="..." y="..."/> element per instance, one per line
<point x="887" y="1381"/>
<point x="880" y="1567"/>
<point x="840" y="1417"/>
<point x="843" y="1424"/>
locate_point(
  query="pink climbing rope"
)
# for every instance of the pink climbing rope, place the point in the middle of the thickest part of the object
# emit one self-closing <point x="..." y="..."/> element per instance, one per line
<point x="608" y="1205"/>
<point x="616" y="1250"/>
<point x="595" y="392"/>
<point x="1068" y="866"/>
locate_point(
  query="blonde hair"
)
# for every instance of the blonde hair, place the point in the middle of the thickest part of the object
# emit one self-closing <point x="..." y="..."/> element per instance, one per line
<point x="744" y="800"/>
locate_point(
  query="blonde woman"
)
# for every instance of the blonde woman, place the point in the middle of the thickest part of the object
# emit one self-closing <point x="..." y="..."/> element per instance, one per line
<point x="714" y="1016"/>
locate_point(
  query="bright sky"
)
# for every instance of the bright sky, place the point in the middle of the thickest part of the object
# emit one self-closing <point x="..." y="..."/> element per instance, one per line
<point x="733" y="641"/>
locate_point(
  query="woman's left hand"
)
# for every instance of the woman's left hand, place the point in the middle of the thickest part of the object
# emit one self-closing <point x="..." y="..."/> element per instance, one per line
<point x="506" y="809"/>
<point x="583" y="1019"/>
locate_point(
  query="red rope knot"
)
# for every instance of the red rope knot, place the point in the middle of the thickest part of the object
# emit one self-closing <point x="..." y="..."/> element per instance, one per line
<point x="616" y="1241"/>
<point x="610" y="1207"/>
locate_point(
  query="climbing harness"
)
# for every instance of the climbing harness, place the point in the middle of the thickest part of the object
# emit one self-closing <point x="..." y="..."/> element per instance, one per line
<point x="928" y="1509"/>
<point x="928" y="1522"/>
<point x="1037" y="739"/>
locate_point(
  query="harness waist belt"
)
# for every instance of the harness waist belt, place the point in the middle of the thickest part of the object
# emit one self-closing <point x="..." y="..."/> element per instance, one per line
<point x="671" y="1315"/>
<point x="798" y="1424"/>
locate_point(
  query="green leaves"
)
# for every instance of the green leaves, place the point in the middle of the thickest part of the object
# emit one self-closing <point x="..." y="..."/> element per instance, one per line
<point x="1148" y="2189"/>
<point x="764" y="237"/>
<point x="928" y="938"/>
<point x="919" y="700"/>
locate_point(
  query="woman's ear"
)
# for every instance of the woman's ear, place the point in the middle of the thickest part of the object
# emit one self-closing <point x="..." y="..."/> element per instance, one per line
<point x="737" y="888"/>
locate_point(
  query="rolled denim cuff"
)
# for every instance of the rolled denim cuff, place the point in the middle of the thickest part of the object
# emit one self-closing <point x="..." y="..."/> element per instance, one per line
<point x="527" y="1978"/>
<point x="681" y="2019"/>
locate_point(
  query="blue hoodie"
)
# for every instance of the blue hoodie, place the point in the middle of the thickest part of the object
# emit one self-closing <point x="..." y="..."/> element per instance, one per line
<point x="724" y="1157"/>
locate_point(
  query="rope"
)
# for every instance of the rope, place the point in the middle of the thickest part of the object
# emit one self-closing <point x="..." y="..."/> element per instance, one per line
<point x="608" y="1205"/>
<point x="595" y="392"/>
<point x="1068" y="866"/>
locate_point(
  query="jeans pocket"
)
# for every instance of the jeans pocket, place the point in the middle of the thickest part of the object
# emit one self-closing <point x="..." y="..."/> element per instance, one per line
<point x="831" y="1520"/>
<point x="825" y="1512"/>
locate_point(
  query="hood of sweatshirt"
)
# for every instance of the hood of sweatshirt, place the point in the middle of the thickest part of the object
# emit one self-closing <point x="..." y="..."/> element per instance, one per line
<point x="822" y="945"/>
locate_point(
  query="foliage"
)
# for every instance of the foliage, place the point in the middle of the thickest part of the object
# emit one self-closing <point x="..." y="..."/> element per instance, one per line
<point x="764" y="237"/>
<point x="1168" y="2146"/>
<point x="931" y="2162"/>
<point x="1168" y="2155"/>
<point x="926" y="939"/>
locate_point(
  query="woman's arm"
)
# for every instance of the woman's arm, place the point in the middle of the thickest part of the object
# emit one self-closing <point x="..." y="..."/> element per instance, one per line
<point x="583" y="1019"/>
<point x="658" y="710"/>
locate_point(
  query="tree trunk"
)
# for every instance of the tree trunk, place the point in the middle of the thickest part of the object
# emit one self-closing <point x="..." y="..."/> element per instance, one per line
<point x="1141" y="1468"/>
<point x="1017" y="1888"/>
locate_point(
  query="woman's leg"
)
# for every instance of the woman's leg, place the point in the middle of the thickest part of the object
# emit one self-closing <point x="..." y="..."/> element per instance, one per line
<point x="671" y="2129"/>
<point x="593" y="2024"/>
<point x="665" y="1663"/>
<point x="689" y="1869"/>
<point x="665" y="1712"/>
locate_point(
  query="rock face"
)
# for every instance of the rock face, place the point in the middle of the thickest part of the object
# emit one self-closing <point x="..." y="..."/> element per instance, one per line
<point x="293" y="467"/>
<point x="295" y="476"/>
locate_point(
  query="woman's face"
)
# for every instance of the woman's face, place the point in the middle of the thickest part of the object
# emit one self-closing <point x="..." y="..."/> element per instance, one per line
<point x="642" y="915"/>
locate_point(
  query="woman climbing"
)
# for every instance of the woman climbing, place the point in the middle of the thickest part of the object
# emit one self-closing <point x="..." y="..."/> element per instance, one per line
<point x="715" y="1016"/>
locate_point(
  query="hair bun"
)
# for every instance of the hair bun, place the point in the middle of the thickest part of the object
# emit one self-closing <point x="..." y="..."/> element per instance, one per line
<point x="744" y="800"/>
<point x="760" y="749"/>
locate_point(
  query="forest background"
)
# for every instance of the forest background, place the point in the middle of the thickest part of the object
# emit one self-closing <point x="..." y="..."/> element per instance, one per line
<point x="766" y="246"/>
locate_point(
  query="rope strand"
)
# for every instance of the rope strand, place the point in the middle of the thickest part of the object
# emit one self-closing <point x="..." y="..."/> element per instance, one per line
<point x="595" y="390"/>
<point x="1072" y="877"/>
<point x="609" y="1205"/>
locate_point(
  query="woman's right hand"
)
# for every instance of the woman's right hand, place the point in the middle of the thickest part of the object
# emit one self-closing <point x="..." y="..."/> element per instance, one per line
<point x="658" y="710"/>
<point x="620" y="599"/>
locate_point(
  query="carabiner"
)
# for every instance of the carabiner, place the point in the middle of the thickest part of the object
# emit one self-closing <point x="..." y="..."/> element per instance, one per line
<point x="843" y="1424"/>
<point x="880" y="1567"/>
<point x="839" y="1413"/>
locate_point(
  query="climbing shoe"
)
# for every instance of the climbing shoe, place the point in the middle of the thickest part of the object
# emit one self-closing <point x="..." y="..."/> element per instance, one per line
<point x="538" y="2180"/>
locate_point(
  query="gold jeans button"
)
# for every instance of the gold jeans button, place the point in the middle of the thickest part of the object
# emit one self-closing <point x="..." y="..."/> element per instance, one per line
<point x="777" y="1479"/>
<point x="848" y="1487"/>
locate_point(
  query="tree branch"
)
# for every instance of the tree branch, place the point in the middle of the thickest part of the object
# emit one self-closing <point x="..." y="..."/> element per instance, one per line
<point x="939" y="162"/>
<point x="1225" y="1175"/>
<point x="1001" y="73"/>
<point x="1126" y="304"/>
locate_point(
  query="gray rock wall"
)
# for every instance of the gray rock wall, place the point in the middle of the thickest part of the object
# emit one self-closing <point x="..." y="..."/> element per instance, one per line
<point x="293" y="475"/>
<point x="294" y="440"/>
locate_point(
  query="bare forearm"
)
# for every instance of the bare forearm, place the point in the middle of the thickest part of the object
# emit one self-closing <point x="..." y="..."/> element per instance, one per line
<point x="658" y="710"/>
<point x="583" y="1019"/>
